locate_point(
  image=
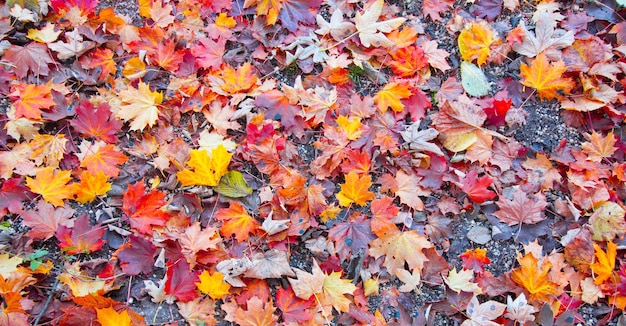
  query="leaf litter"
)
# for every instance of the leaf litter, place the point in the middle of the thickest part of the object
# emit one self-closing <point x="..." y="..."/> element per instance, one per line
<point x="336" y="156"/>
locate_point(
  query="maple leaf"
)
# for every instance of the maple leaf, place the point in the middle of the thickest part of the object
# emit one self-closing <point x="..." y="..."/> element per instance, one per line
<point x="90" y="186"/>
<point x="475" y="259"/>
<point x="535" y="279"/>
<point x="355" y="190"/>
<point x="208" y="53"/>
<point x="519" y="309"/>
<point x="476" y="188"/>
<point x="236" y="81"/>
<point x="335" y="288"/>
<point x="475" y="41"/>
<point x="140" y="105"/>
<point x="195" y="240"/>
<point x="213" y="285"/>
<point x="607" y="221"/>
<point x="101" y="157"/>
<point x="81" y="238"/>
<point x="305" y="285"/>
<point x="33" y="57"/>
<point x="102" y="59"/>
<point x="462" y="281"/>
<point x="496" y="113"/>
<point x="51" y="184"/>
<point x="351" y="236"/>
<point x="12" y="194"/>
<point x="598" y="147"/>
<point x="408" y="61"/>
<point x="109" y="317"/>
<point x="268" y="8"/>
<point x="294" y="309"/>
<point x="337" y="27"/>
<point x="48" y="149"/>
<point x="180" y="281"/>
<point x="604" y="264"/>
<point x="483" y="314"/>
<point x="418" y="139"/>
<point x="371" y="30"/>
<point x="8" y="265"/>
<point x="96" y="121"/>
<point x="545" y="37"/>
<point x="75" y="45"/>
<point x="166" y="56"/>
<point x="434" y="8"/>
<point x="207" y="170"/>
<point x="459" y="122"/>
<point x="237" y="222"/>
<point x="522" y="208"/>
<point x="258" y="313"/>
<point x="144" y="210"/>
<point x="137" y="256"/>
<point x="297" y="12"/>
<point x="400" y="248"/>
<point x="547" y="78"/>
<point x="390" y="97"/>
<point x="408" y="190"/>
<point x="29" y="99"/>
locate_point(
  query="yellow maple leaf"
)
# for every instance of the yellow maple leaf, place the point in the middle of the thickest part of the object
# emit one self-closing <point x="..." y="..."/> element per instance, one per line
<point x="8" y="265"/>
<point x="223" y="20"/>
<point x="90" y="186"/>
<point x="335" y="288"/>
<point x="598" y="147"/>
<point x="48" y="149"/>
<point x="390" y="97"/>
<point x="240" y="80"/>
<point x="546" y="77"/>
<point x="268" y="8"/>
<point x="213" y="285"/>
<point x="207" y="170"/>
<point x="474" y="42"/>
<point x="399" y="248"/>
<point x="604" y="263"/>
<point x="355" y="190"/>
<point x="351" y="126"/>
<point x="110" y="317"/>
<point x="139" y="105"/>
<point x="51" y="185"/>
<point x="535" y="279"/>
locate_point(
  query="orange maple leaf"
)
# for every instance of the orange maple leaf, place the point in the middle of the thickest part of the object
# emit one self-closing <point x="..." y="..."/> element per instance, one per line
<point x="29" y="100"/>
<point x="355" y="190"/>
<point x="474" y="42"/>
<point x="390" y="97"/>
<point x="207" y="170"/>
<point x="90" y="186"/>
<point x="400" y="248"/>
<point x="48" y="149"/>
<point x="604" y="264"/>
<point x="237" y="221"/>
<point x="51" y="184"/>
<point x="268" y="8"/>
<point x="545" y="77"/>
<point x="240" y="80"/>
<point x="408" y="61"/>
<point x="535" y="279"/>
<point x="103" y="60"/>
<point x="101" y="157"/>
<point x="598" y="147"/>
<point x="110" y="317"/>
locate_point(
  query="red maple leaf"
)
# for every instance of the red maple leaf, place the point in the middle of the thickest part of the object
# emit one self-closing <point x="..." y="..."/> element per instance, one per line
<point x="476" y="188"/>
<point x="475" y="259"/>
<point x="82" y="238"/>
<point x="294" y="309"/>
<point x="144" y="210"/>
<point x="181" y="281"/>
<point x="96" y="122"/>
<point x="12" y="194"/>
<point x="137" y="256"/>
<point x="497" y="112"/>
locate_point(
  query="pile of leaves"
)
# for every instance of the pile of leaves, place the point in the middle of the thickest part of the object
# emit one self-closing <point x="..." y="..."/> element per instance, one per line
<point x="307" y="162"/>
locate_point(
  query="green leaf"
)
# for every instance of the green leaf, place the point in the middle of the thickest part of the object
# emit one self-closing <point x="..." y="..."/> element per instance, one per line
<point x="233" y="185"/>
<point x="474" y="80"/>
<point x="32" y="5"/>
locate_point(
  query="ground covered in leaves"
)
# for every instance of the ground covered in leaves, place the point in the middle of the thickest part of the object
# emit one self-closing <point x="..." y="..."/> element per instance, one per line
<point x="309" y="162"/>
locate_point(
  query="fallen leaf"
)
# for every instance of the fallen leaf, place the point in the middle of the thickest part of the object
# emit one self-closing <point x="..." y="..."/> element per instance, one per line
<point x="213" y="285"/>
<point x="140" y="105"/>
<point x="205" y="170"/>
<point x="475" y="41"/>
<point x="483" y="314"/>
<point x="546" y="77"/>
<point x="604" y="264"/>
<point x="237" y="222"/>
<point x="371" y="30"/>
<point x="522" y="208"/>
<point x="110" y="317"/>
<point x="534" y="279"/>
<point x="82" y="238"/>
<point x="355" y="190"/>
<point x="51" y="184"/>
<point x="400" y="248"/>
<point x="462" y="281"/>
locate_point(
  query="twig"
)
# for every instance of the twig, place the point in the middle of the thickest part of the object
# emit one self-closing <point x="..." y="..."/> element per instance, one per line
<point x="45" y="306"/>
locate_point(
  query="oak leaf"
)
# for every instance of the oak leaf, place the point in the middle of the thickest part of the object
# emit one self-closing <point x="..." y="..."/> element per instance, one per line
<point x="604" y="263"/>
<point x="475" y="41"/>
<point x="521" y="209"/>
<point x="535" y="279"/>
<point x="371" y="30"/>
<point x="205" y="170"/>
<point x="139" y="105"/>
<point x="355" y="190"/>
<point x="400" y="248"/>
<point x="547" y="78"/>
<point x="237" y="222"/>
<point x="213" y="285"/>
<point x="51" y="184"/>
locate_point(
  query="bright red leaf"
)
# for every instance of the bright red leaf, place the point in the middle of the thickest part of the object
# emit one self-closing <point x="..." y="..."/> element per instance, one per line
<point x="83" y="238"/>
<point x="144" y="209"/>
<point x="476" y="188"/>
